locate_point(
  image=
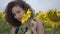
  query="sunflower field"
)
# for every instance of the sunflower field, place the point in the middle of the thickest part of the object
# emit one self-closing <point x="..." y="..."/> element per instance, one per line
<point x="50" y="20"/>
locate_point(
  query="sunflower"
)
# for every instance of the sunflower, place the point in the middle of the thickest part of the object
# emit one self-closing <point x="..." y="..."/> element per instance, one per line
<point x="39" y="15"/>
<point x="52" y="17"/>
<point x="2" y="15"/>
<point x="26" y="16"/>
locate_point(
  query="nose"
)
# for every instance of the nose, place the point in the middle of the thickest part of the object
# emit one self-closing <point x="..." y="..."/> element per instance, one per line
<point x="17" y="16"/>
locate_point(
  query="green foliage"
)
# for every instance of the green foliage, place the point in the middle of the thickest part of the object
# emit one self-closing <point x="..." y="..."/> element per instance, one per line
<point x="5" y="28"/>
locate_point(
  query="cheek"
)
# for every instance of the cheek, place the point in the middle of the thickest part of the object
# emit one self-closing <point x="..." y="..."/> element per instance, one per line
<point x="21" y="13"/>
<point x="14" y="15"/>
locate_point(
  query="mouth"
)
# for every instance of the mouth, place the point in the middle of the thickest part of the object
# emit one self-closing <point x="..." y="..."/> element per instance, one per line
<point x="19" y="18"/>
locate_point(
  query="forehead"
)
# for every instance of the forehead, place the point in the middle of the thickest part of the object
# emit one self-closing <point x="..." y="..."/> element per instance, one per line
<point x="16" y="8"/>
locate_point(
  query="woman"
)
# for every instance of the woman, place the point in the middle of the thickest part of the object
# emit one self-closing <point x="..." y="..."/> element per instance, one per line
<point x="14" y="14"/>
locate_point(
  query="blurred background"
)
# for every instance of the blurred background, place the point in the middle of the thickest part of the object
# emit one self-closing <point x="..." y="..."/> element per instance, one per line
<point x="48" y="11"/>
<point x="37" y="5"/>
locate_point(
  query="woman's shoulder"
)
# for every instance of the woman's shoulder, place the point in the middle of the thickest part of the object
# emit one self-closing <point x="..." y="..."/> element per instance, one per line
<point x="13" y="29"/>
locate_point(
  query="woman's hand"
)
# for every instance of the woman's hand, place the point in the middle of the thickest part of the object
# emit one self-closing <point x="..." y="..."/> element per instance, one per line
<point x="34" y="27"/>
<point x="33" y="24"/>
<point x="28" y="32"/>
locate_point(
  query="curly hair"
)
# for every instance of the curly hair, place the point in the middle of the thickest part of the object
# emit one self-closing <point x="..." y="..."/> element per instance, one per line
<point x="9" y="16"/>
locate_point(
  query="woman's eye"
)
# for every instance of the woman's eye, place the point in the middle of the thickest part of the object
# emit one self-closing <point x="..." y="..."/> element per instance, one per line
<point x="18" y="12"/>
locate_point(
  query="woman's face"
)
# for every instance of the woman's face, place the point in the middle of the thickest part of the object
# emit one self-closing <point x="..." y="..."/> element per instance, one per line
<point x="17" y="12"/>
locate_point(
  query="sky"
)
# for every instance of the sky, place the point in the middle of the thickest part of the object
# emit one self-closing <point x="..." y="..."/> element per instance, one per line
<point x="37" y="5"/>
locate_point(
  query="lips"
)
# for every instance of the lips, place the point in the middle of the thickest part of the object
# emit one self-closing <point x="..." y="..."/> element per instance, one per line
<point x="19" y="18"/>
